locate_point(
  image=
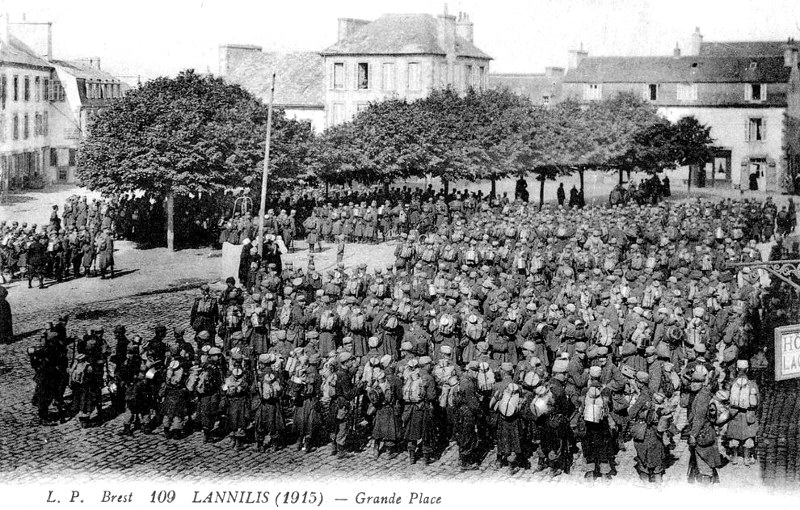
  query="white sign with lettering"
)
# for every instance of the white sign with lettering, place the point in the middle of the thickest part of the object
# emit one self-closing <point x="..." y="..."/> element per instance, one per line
<point x="787" y="352"/>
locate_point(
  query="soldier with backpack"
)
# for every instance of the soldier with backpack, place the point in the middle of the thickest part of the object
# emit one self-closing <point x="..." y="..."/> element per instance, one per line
<point x="743" y="427"/>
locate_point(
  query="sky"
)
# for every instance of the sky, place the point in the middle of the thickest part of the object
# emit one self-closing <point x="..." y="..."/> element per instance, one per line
<point x="150" y="38"/>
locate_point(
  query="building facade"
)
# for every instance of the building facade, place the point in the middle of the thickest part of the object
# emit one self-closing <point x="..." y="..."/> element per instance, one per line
<point x="739" y="89"/>
<point x="46" y="106"/>
<point x="399" y="55"/>
<point x="542" y="89"/>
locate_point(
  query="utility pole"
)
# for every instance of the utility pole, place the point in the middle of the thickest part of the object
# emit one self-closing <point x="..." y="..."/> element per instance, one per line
<point x="262" y="210"/>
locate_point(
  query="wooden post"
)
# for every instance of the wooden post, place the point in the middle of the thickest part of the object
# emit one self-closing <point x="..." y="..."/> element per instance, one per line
<point x="541" y="192"/>
<point x="171" y="221"/>
<point x="265" y="176"/>
<point x="494" y="187"/>
<point x="580" y="174"/>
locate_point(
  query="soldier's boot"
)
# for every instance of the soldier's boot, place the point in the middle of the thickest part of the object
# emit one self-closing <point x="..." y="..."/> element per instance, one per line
<point x="748" y="457"/>
<point x="656" y="478"/>
<point x="126" y="430"/>
<point x="541" y="465"/>
<point x="376" y="448"/>
<point x="412" y="454"/>
<point x="30" y="283"/>
<point x="334" y="448"/>
<point x="206" y="436"/>
<point x="299" y="444"/>
<point x="41" y="282"/>
<point x="704" y="479"/>
<point x="307" y="445"/>
<point x="595" y="473"/>
<point x="260" y="446"/>
<point x="168" y="434"/>
<point x="427" y="459"/>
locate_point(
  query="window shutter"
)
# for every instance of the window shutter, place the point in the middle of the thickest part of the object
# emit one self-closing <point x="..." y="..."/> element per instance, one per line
<point x="763" y="91"/>
<point x="748" y="92"/>
<point x="746" y="129"/>
<point x="763" y="129"/>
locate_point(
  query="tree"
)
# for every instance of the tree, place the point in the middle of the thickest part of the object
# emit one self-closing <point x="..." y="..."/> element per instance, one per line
<point x="187" y="135"/>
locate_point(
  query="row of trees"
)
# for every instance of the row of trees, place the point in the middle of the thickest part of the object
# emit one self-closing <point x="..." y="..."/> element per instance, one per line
<point x="196" y="136"/>
<point x="497" y="134"/>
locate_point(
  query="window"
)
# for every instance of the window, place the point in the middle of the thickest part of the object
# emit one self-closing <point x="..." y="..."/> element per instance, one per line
<point x="16" y="88"/>
<point x="468" y="77"/>
<point x="755" y="92"/>
<point x="62" y="173"/>
<point x="652" y="91"/>
<point x="2" y="128"/>
<point x="72" y="153"/>
<point x="15" y="127"/>
<point x="363" y="76"/>
<point x="360" y="107"/>
<point x="26" y="128"/>
<point x="338" y="75"/>
<point x="37" y="124"/>
<point x="413" y="76"/>
<point x="443" y="81"/>
<point x="45" y="124"/>
<point x="388" y="77"/>
<point x="592" y="92"/>
<point x="27" y="89"/>
<point x="545" y="100"/>
<point x="3" y="91"/>
<point x="482" y="78"/>
<point x="755" y="129"/>
<point x="338" y="113"/>
<point x="53" y="157"/>
<point x="687" y="92"/>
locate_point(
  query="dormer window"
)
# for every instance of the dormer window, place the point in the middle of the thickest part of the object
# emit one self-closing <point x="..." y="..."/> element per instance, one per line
<point x="755" y="92"/>
<point x="753" y="66"/>
<point x="592" y="92"/>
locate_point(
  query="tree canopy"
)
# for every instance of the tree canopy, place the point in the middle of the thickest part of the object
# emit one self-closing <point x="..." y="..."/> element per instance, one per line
<point x="190" y="134"/>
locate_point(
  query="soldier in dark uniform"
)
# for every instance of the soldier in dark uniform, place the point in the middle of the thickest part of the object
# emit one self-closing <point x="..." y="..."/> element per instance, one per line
<point x="468" y="408"/>
<point x="205" y="313"/>
<point x="37" y="260"/>
<point x="341" y="409"/>
<point x="47" y="362"/>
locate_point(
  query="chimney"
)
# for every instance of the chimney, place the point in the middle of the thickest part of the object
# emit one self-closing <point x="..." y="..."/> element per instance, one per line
<point x="4" y="31"/>
<point x="677" y="51"/>
<point x="446" y="32"/>
<point x="39" y="36"/>
<point x="229" y="52"/>
<point x="464" y="27"/>
<point x="790" y="51"/>
<point x="554" y="72"/>
<point x="576" y="56"/>
<point x="696" y="42"/>
<point x="50" y="43"/>
<point x="348" y="26"/>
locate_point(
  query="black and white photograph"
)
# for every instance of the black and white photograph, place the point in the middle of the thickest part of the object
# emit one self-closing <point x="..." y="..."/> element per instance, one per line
<point x="366" y="254"/>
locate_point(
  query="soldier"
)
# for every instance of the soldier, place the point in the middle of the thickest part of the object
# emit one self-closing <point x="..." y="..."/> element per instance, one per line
<point x="174" y="407"/>
<point x="208" y="388"/>
<point x="205" y="313"/>
<point x="139" y="394"/>
<point x="36" y="260"/>
<point x="269" y="422"/>
<point x="47" y="362"/>
<point x="743" y="427"/>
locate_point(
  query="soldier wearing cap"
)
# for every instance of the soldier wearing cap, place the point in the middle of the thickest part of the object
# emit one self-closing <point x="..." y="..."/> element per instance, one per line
<point x="236" y="401"/>
<point x="175" y="403"/>
<point x="342" y="410"/>
<point x="46" y="361"/>
<point x="419" y="395"/>
<point x="268" y="388"/>
<point x="743" y="427"/>
<point x="205" y="313"/>
<point x="209" y="392"/>
<point x="704" y="452"/>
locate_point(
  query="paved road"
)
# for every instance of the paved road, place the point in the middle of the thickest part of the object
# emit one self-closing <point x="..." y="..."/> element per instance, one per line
<point x="30" y="453"/>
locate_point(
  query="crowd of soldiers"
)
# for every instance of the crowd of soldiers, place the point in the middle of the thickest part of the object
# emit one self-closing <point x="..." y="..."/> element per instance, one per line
<point x="78" y="243"/>
<point x="541" y="334"/>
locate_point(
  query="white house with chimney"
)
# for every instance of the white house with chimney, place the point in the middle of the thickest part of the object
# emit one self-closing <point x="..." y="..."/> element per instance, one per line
<point x="399" y="55"/>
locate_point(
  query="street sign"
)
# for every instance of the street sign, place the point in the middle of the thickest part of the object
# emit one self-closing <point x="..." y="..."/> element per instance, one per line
<point x="787" y="352"/>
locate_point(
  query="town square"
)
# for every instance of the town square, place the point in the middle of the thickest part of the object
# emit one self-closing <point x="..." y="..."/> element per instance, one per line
<point x="408" y="246"/>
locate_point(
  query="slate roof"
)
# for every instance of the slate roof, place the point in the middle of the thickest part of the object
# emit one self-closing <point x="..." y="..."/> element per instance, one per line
<point x="83" y="71"/>
<point x="299" y="81"/>
<point x="533" y="86"/>
<point x="742" y="48"/>
<point x="401" y="34"/>
<point x="689" y="69"/>
<point x="17" y="52"/>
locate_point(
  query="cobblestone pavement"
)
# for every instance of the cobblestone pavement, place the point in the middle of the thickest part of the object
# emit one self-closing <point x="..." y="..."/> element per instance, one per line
<point x="30" y="453"/>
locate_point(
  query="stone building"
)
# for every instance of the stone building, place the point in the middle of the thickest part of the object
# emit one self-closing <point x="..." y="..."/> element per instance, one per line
<point x="738" y="88"/>
<point x="399" y="55"/>
<point x="46" y="106"/>
<point x="542" y="89"/>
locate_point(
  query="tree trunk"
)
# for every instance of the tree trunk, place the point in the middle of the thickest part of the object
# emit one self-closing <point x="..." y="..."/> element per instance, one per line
<point x="620" y="177"/>
<point x="494" y="187"/>
<point x="327" y="185"/>
<point x="689" y="180"/>
<point x="580" y="174"/>
<point x="170" y="221"/>
<point x="541" y="194"/>
<point x="446" y="187"/>
<point x="386" y="188"/>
